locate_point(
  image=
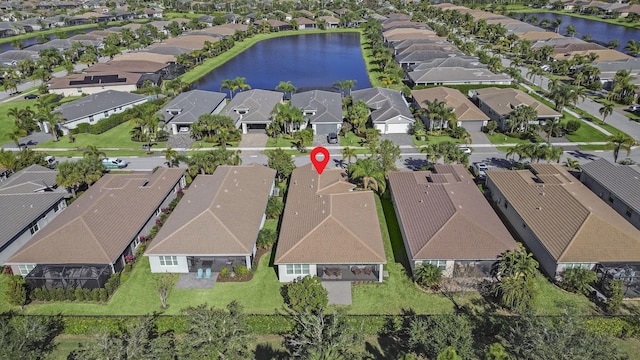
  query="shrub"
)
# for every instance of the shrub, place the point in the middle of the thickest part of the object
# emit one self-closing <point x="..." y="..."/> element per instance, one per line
<point x="17" y="291"/>
<point x="240" y="271"/>
<point x="224" y="272"/>
<point x="615" y="294"/>
<point x="86" y="293"/>
<point x="79" y="294"/>
<point x="58" y="294"/>
<point x="578" y="280"/>
<point x="95" y="295"/>
<point x="103" y="295"/>
<point x="46" y="294"/>
<point x="572" y="126"/>
<point x="274" y="207"/>
<point x="266" y="238"/>
<point x="428" y="275"/>
<point x="616" y="327"/>
<point x="70" y="294"/>
<point x="84" y="128"/>
<point x="36" y="294"/>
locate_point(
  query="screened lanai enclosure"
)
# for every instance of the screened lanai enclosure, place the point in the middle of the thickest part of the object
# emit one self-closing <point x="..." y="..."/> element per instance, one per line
<point x="89" y="276"/>
<point x="628" y="273"/>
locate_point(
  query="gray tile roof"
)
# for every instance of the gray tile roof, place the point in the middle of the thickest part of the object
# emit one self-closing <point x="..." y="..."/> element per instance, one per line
<point x="425" y="55"/>
<point x="467" y="62"/>
<point x="61" y="44"/>
<point x="621" y="180"/>
<point x="327" y="106"/>
<point x="385" y="104"/>
<point x="257" y="103"/>
<point x="444" y="75"/>
<point x="97" y="103"/>
<point x="20" y="203"/>
<point x="17" y="55"/>
<point x="190" y="105"/>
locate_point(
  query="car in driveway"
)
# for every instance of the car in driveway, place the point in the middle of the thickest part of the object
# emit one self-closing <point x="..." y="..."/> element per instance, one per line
<point x="51" y="162"/>
<point x="31" y="97"/>
<point x="332" y="138"/>
<point x="114" y="163"/>
<point x="479" y="170"/>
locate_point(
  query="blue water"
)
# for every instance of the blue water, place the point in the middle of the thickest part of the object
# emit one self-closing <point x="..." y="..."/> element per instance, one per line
<point x="308" y="61"/>
<point x="599" y="31"/>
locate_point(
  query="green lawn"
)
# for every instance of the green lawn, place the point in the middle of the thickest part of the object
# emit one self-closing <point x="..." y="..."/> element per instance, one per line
<point x="500" y="138"/>
<point x="595" y="147"/>
<point x="280" y="142"/>
<point x="350" y="139"/>
<point x="7" y="122"/>
<point x="552" y="300"/>
<point x="435" y="140"/>
<point x="586" y="133"/>
<point x="118" y="137"/>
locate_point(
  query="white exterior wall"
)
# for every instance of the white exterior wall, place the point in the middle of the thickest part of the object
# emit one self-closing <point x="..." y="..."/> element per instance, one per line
<point x="283" y="277"/>
<point x="393" y="128"/>
<point x="25" y="236"/>
<point x="75" y="91"/>
<point x="182" y="267"/>
<point x="101" y="115"/>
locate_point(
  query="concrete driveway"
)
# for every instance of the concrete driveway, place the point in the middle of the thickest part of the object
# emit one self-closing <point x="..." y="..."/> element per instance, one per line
<point x="398" y="139"/>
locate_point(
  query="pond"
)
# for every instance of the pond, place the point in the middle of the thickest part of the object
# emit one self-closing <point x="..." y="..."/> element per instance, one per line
<point x="599" y="31"/>
<point x="308" y="61"/>
<point x="34" y="40"/>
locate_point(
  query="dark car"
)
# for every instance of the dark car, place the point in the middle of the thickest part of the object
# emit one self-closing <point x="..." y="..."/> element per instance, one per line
<point x="31" y="97"/>
<point x="332" y="138"/>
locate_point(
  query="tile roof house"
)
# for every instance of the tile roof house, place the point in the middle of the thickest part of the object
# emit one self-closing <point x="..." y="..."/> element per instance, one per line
<point x="499" y="103"/>
<point x="617" y="185"/>
<point x="95" y="107"/>
<point x="445" y="220"/>
<point x="30" y="199"/>
<point x="407" y="60"/>
<point x="188" y="106"/>
<point x="323" y="110"/>
<point x="145" y="56"/>
<point x="251" y="109"/>
<point x="467" y="113"/>
<point x="328" y="229"/>
<point x="457" y="76"/>
<point x="389" y="110"/>
<point x="93" y="83"/>
<point x="561" y="221"/>
<point x="89" y="241"/>
<point x="216" y="223"/>
<point x="608" y="70"/>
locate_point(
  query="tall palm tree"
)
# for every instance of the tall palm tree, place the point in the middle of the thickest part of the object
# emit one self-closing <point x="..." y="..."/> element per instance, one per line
<point x="52" y="119"/>
<point x="8" y="159"/>
<point x="345" y="86"/>
<point x="230" y="85"/>
<point x="93" y="151"/>
<point x="550" y="127"/>
<point x="286" y="87"/>
<point x="620" y="141"/>
<point x="149" y="124"/>
<point x="369" y="172"/>
<point x="172" y="156"/>
<point x="606" y="110"/>
<point x="16" y="134"/>
<point x="633" y="47"/>
<point x="348" y="153"/>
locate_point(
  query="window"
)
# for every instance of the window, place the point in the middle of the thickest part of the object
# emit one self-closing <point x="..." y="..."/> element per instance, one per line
<point x="168" y="260"/>
<point x="506" y="204"/>
<point x="577" y="266"/>
<point x="25" y="269"/>
<point x="158" y="211"/>
<point x="34" y="228"/>
<point x="79" y="90"/>
<point x="106" y="114"/>
<point x="442" y="264"/>
<point x="298" y="269"/>
<point x="136" y="242"/>
<point x="611" y="198"/>
<point x="60" y="206"/>
<point x="629" y="212"/>
<point x="91" y="118"/>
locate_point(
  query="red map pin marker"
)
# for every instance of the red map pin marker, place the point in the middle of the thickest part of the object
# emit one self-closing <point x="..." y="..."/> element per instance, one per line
<point x="319" y="164"/>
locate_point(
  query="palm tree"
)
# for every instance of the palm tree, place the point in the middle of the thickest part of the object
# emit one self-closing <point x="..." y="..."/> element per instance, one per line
<point x="551" y="127"/>
<point x="229" y="85"/>
<point x="427" y="275"/>
<point x="52" y="119"/>
<point x="571" y="30"/>
<point x="564" y="94"/>
<point x="148" y="122"/>
<point x="572" y="164"/>
<point x="369" y="172"/>
<point x="606" y="110"/>
<point x="633" y="47"/>
<point x="16" y="134"/>
<point x="348" y="153"/>
<point x="8" y="160"/>
<point x="286" y="87"/>
<point x="521" y="116"/>
<point x="93" y="151"/>
<point x="172" y="156"/>
<point x="620" y="141"/>
<point x="344" y="86"/>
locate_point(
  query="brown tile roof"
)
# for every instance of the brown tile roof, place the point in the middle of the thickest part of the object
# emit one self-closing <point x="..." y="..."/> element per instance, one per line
<point x="445" y="216"/>
<point x="464" y="109"/>
<point x="504" y="100"/>
<point x="326" y="222"/>
<point x="146" y="56"/>
<point x="130" y="66"/>
<point x="603" y="55"/>
<point x="538" y="35"/>
<point x="100" y="224"/>
<point x="408" y="33"/>
<point x="220" y="214"/>
<point x="570" y="221"/>
<point x="194" y="42"/>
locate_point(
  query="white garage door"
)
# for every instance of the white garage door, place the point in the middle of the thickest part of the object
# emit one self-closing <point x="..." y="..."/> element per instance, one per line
<point x="393" y="128"/>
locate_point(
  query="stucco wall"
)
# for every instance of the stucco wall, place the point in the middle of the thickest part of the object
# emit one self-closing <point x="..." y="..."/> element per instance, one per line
<point x="283" y="277"/>
<point x="75" y="91"/>
<point x="182" y="267"/>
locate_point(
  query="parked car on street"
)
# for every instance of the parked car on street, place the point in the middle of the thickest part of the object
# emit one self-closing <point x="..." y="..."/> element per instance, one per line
<point x="31" y="96"/>
<point x="51" y="162"/>
<point x="332" y="138"/>
<point x="114" y="163"/>
<point x="465" y="149"/>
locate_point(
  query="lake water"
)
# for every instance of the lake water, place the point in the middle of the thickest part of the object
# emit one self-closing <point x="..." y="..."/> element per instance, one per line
<point x="599" y="31"/>
<point x="308" y="61"/>
<point x="34" y="40"/>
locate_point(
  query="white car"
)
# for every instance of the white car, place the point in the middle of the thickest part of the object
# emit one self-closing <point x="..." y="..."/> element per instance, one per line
<point x="114" y="163"/>
<point x="465" y="149"/>
<point x="480" y="169"/>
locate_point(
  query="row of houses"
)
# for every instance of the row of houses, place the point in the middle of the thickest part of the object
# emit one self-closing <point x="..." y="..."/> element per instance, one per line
<point x="328" y="228"/>
<point x="608" y="61"/>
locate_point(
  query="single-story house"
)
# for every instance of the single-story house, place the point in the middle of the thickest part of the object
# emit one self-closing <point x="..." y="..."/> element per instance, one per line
<point x="305" y="24"/>
<point x="389" y="110"/>
<point x="401" y="34"/>
<point x="187" y="107"/>
<point x="217" y="222"/>
<point x="251" y="109"/>
<point x="498" y="103"/>
<point x="95" y="107"/>
<point x="608" y="70"/>
<point x="30" y="199"/>
<point x="565" y="225"/>
<point x="457" y="76"/>
<point x="128" y="66"/>
<point x="93" y="83"/>
<point x="92" y="238"/>
<point x="617" y="185"/>
<point x="330" y="21"/>
<point x="144" y="56"/>
<point x="329" y="230"/>
<point x="466" y="62"/>
<point x="323" y="110"/>
<point x="468" y="115"/>
<point x="446" y="221"/>
<point x="12" y="57"/>
<point x="409" y="59"/>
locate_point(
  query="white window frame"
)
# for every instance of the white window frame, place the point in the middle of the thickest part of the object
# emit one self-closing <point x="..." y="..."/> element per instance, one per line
<point x="168" y="260"/>
<point x="442" y="264"/>
<point x="25" y="269"/>
<point x="298" y="269"/>
<point x="34" y="228"/>
<point x="136" y="242"/>
<point x="577" y="266"/>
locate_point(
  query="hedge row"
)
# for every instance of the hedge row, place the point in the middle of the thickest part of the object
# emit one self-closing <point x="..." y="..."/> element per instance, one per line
<point x="621" y="327"/>
<point x="115" y="119"/>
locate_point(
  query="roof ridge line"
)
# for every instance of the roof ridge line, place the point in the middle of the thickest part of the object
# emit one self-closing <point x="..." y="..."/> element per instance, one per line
<point x="94" y="238"/>
<point x="304" y="237"/>
<point x="584" y="222"/>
